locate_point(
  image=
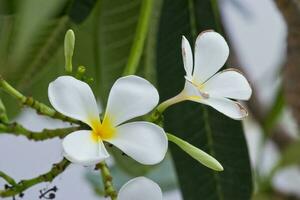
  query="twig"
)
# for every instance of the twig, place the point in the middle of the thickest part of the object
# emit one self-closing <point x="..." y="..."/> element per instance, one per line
<point x="18" y="188"/>
<point x="7" y="178"/>
<point x="107" y="180"/>
<point x="29" y="101"/>
<point x="18" y="129"/>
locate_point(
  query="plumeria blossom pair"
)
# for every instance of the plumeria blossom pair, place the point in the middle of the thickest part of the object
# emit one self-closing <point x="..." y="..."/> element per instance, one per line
<point x="140" y="188"/>
<point x="130" y="97"/>
<point x="203" y="83"/>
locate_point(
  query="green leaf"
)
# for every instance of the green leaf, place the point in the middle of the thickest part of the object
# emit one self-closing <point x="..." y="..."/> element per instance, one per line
<point x="79" y="10"/>
<point x="196" y="153"/>
<point x="30" y="46"/>
<point x="205" y="128"/>
<point x="114" y="32"/>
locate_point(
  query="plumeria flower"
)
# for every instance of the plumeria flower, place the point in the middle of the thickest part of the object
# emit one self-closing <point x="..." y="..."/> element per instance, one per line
<point x="130" y="97"/>
<point x="140" y="188"/>
<point x="203" y="83"/>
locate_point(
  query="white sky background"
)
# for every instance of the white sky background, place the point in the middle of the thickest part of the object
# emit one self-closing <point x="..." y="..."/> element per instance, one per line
<point x="257" y="35"/>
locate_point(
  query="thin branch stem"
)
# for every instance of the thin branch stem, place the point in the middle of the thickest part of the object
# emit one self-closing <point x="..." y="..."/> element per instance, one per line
<point x="29" y="101"/>
<point x="7" y="178"/>
<point x="18" y="188"/>
<point x="17" y="129"/>
<point x="107" y="181"/>
<point x="140" y="37"/>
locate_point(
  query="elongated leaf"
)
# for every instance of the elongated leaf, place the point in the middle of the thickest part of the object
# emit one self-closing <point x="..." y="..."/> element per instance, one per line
<point x="201" y="126"/>
<point x="79" y="10"/>
<point x="29" y="49"/>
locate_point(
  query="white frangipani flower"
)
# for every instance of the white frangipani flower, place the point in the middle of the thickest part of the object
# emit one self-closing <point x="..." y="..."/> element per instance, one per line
<point x="130" y="97"/>
<point x="205" y="85"/>
<point x="140" y="188"/>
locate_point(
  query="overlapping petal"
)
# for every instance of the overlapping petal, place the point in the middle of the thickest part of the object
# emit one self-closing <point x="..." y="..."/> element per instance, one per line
<point x="145" y="142"/>
<point x="228" y="83"/>
<point x="73" y="98"/>
<point x="79" y="147"/>
<point x="211" y="53"/>
<point x="187" y="57"/>
<point x="130" y="97"/>
<point x="140" y="188"/>
<point x="228" y="107"/>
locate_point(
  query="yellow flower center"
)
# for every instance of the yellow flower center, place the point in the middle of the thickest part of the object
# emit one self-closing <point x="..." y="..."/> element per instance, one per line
<point x="104" y="130"/>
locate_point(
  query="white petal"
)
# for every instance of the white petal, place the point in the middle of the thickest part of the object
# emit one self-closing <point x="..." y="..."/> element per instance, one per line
<point x="130" y="97"/>
<point x="140" y="188"/>
<point x="80" y="147"/>
<point x="145" y="142"/>
<point x="187" y="57"/>
<point x="211" y="53"/>
<point x="190" y="90"/>
<point x="73" y="98"/>
<point x="228" y="83"/>
<point x="228" y="107"/>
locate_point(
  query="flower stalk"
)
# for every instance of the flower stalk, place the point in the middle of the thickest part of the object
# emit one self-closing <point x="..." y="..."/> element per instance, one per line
<point x="107" y="180"/>
<point x="169" y="102"/>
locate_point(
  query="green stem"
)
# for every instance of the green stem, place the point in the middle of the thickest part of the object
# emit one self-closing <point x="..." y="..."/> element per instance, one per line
<point x="164" y="105"/>
<point x="18" y="129"/>
<point x="18" y="188"/>
<point x="107" y="181"/>
<point x="140" y="37"/>
<point x="8" y="179"/>
<point x="29" y="101"/>
<point x="3" y="116"/>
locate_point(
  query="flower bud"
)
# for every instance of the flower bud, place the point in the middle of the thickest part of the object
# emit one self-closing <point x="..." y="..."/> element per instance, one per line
<point x="69" y="49"/>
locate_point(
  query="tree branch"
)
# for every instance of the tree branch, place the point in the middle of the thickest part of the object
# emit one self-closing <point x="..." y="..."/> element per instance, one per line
<point x="18" y="188"/>
<point x="18" y="129"/>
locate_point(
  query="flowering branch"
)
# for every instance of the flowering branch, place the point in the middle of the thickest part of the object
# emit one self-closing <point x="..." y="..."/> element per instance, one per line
<point x="18" y="129"/>
<point x="29" y="101"/>
<point x="107" y="180"/>
<point x="17" y="188"/>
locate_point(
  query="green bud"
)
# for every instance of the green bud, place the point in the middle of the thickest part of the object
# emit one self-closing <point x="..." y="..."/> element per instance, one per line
<point x="81" y="70"/>
<point x="3" y="116"/>
<point x="69" y="49"/>
<point x="196" y="153"/>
